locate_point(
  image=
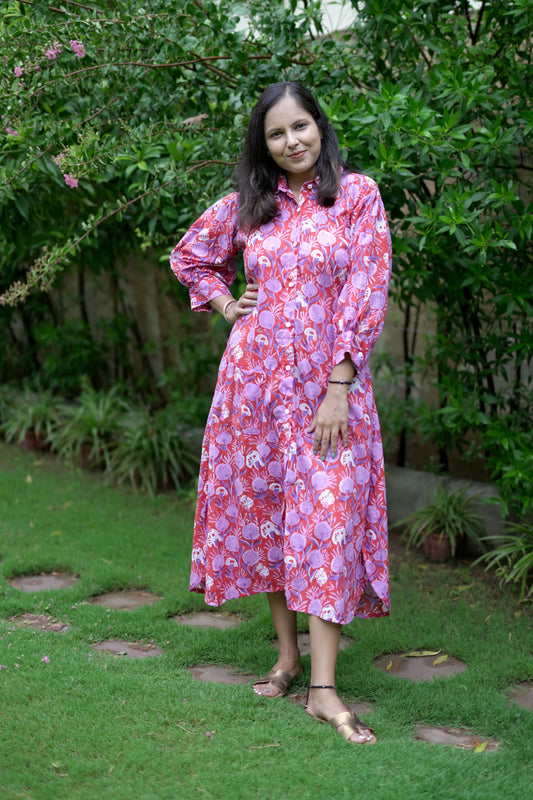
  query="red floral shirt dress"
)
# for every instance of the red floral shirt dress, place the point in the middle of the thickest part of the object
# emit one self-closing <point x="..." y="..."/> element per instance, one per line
<point x="271" y="516"/>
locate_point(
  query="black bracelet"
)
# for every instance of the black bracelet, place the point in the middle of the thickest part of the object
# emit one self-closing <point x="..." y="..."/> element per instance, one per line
<point x="344" y="383"/>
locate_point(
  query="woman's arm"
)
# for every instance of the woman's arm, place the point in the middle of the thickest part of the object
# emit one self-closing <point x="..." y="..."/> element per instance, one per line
<point x="331" y="418"/>
<point x="231" y="308"/>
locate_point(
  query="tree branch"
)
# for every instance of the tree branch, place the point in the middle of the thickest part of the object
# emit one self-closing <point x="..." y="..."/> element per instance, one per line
<point x="39" y="272"/>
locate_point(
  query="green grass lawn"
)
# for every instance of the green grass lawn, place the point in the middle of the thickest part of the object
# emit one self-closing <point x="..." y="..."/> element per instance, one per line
<point x="86" y="725"/>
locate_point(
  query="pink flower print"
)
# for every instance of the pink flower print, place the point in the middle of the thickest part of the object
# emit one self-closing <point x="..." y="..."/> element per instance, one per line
<point x="18" y="71"/>
<point x="11" y="132"/>
<point x="45" y="659"/>
<point x="71" y="181"/>
<point x="77" y="47"/>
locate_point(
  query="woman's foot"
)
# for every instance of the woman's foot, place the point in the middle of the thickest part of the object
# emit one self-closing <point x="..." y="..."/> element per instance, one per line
<point x="276" y="682"/>
<point x="324" y="704"/>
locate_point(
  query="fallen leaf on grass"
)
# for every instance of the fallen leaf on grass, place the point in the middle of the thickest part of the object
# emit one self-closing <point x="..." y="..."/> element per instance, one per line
<point x="440" y="660"/>
<point x="389" y="665"/>
<point x="481" y="747"/>
<point x="28" y="479"/>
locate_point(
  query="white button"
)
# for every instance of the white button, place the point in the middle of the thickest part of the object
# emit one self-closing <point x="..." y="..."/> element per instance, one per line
<point x="287" y="324"/>
<point x="291" y="283"/>
<point x="288" y="366"/>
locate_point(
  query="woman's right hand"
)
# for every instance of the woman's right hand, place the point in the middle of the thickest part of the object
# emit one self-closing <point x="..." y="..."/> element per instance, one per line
<point x="244" y="305"/>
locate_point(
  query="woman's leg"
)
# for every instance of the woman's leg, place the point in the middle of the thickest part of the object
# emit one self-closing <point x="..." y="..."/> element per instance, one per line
<point x="289" y="655"/>
<point x="325" y="703"/>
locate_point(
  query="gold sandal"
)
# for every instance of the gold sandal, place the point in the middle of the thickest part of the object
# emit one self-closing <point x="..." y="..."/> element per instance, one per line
<point x="279" y="678"/>
<point x="346" y="723"/>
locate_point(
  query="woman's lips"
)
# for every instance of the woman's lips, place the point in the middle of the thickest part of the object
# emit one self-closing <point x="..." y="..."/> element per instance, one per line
<point x="295" y="156"/>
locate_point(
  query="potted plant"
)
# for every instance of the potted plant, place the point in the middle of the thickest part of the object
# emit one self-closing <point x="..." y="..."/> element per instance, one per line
<point x="512" y="556"/>
<point x="87" y="430"/>
<point x="444" y="523"/>
<point x="29" y="418"/>
<point x="155" y="452"/>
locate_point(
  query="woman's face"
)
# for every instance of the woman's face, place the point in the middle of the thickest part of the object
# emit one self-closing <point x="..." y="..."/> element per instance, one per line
<point x="293" y="140"/>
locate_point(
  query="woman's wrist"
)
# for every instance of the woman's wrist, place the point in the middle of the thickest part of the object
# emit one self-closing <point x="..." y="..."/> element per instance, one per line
<point x="225" y="308"/>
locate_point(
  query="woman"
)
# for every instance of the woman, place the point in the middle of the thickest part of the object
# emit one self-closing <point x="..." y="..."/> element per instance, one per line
<point x="291" y="496"/>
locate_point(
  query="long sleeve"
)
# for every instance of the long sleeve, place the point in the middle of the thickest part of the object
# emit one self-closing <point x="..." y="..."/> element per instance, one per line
<point x="360" y="312"/>
<point x="205" y="260"/>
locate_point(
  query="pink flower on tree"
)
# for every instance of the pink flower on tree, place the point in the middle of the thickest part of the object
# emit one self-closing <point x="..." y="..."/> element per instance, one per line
<point x="77" y="47"/>
<point x="18" y="71"/>
<point x="11" y="132"/>
<point x="59" y="158"/>
<point x="71" y="181"/>
<point x="53" y="51"/>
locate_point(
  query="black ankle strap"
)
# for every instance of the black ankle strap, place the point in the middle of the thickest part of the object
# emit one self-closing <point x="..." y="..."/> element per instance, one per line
<point x="321" y="687"/>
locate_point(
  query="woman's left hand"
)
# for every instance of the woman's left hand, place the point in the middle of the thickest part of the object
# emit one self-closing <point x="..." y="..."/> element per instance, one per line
<point x="330" y="422"/>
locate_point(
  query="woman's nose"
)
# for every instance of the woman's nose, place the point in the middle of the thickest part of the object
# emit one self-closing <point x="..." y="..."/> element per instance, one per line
<point x="292" y="139"/>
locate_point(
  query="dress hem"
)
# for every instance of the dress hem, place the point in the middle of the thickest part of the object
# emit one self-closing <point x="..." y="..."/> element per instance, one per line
<point x="294" y="607"/>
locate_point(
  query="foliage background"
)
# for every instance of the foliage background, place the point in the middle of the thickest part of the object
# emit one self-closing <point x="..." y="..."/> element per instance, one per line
<point x="121" y="121"/>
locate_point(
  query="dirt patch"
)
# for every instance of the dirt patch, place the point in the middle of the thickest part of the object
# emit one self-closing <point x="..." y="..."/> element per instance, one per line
<point x="522" y="695"/>
<point x="209" y="619"/>
<point x="126" y="601"/>
<point x="420" y="668"/>
<point x="43" y="582"/>
<point x="457" y="737"/>
<point x="304" y="643"/>
<point x="212" y="674"/>
<point x="128" y="649"/>
<point x="357" y="708"/>
<point x="41" y="623"/>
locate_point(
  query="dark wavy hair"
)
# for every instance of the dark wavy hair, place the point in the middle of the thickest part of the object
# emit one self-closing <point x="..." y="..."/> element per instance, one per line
<point x="257" y="174"/>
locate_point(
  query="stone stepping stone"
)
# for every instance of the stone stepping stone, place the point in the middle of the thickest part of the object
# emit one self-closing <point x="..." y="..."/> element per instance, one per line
<point x="522" y="695"/>
<point x="457" y="737"/>
<point x="126" y="601"/>
<point x="304" y="643"/>
<point x="420" y="668"/>
<point x="128" y="649"/>
<point x="41" y="623"/>
<point x="359" y="709"/>
<point x="44" y="581"/>
<point x="213" y="674"/>
<point x="209" y="619"/>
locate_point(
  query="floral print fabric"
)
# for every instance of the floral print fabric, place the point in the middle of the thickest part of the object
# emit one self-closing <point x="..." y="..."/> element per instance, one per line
<point x="271" y="516"/>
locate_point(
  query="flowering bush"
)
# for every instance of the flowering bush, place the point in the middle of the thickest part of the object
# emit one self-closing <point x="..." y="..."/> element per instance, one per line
<point x="122" y="121"/>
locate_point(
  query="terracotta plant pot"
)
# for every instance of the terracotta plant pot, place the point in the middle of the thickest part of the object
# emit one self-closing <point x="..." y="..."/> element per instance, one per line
<point x="437" y="547"/>
<point x="33" y="441"/>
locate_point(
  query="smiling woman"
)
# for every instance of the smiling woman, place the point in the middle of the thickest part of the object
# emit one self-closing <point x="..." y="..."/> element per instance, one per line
<point x="293" y="140"/>
<point x="291" y="498"/>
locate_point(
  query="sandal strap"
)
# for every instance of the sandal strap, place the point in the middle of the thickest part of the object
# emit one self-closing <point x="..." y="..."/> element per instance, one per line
<point x="279" y="678"/>
<point x="346" y="724"/>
